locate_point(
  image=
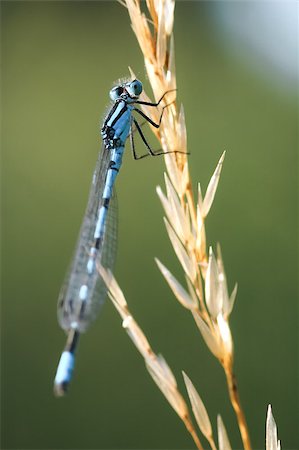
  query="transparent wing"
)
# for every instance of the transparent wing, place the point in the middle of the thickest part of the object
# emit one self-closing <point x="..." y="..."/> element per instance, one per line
<point x="72" y="311"/>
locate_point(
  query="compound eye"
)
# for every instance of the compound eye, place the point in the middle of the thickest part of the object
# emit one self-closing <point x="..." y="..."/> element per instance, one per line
<point x="116" y="92"/>
<point x="134" y="88"/>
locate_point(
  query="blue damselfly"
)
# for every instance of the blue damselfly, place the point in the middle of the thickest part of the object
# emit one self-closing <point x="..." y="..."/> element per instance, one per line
<point x="84" y="291"/>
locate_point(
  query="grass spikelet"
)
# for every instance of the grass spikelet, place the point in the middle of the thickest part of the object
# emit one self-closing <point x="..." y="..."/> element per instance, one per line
<point x="213" y="299"/>
<point x="181" y="294"/>
<point x="200" y="412"/>
<point x="212" y="187"/>
<point x="272" y="443"/>
<point x="223" y="441"/>
<point x="209" y="335"/>
<point x="184" y="257"/>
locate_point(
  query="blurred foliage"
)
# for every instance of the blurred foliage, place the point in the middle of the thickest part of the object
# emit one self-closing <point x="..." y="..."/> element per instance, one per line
<point x="59" y="61"/>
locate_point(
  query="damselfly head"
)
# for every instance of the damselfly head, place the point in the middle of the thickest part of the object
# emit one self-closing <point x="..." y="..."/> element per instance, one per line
<point x="131" y="89"/>
<point x="134" y="88"/>
<point x="116" y="92"/>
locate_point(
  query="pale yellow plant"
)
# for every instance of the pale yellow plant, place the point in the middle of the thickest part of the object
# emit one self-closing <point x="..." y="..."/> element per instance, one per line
<point x="205" y="294"/>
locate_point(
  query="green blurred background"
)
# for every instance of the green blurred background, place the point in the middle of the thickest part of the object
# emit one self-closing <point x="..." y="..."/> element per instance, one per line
<point x="59" y="61"/>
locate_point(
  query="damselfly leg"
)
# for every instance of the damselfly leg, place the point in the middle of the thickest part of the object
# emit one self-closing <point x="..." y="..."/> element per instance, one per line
<point x="154" y="124"/>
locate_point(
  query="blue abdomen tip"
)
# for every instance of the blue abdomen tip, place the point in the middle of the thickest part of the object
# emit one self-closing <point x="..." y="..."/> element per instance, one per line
<point x="64" y="373"/>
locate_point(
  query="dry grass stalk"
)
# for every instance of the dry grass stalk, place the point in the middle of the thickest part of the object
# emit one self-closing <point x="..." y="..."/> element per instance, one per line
<point x="155" y="364"/>
<point x="206" y="295"/>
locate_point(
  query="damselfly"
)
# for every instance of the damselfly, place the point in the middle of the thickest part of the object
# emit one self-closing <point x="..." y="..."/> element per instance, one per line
<point x="84" y="291"/>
